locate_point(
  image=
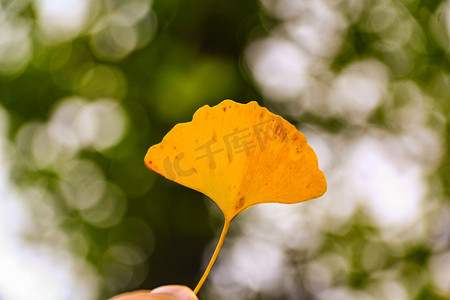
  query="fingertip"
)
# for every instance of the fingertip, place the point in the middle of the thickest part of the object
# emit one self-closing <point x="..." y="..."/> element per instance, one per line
<point x="135" y="295"/>
<point x="179" y="291"/>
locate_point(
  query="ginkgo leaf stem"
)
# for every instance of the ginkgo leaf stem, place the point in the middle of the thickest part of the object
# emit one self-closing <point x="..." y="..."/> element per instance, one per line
<point x="214" y="256"/>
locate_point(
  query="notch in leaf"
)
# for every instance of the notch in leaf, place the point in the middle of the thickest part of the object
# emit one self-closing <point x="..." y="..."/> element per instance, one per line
<point x="239" y="155"/>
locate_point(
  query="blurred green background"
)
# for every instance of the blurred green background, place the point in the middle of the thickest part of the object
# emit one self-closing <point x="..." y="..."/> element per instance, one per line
<point x="86" y="87"/>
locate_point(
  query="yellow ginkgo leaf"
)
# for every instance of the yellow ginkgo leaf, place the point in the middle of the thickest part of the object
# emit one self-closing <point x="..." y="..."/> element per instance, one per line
<point x="239" y="155"/>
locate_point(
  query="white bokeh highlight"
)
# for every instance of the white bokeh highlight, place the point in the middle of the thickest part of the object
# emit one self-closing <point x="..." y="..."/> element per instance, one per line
<point x="61" y="20"/>
<point x="29" y="270"/>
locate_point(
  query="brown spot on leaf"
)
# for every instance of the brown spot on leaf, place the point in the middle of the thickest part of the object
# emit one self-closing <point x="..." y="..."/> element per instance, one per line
<point x="240" y="203"/>
<point x="278" y="129"/>
<point x="224" y="109"/>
